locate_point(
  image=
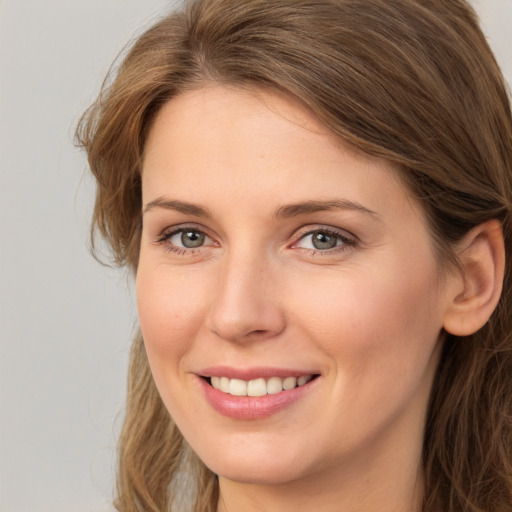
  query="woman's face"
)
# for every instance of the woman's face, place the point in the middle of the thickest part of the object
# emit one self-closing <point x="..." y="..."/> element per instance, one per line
<point x="278" y="263"/>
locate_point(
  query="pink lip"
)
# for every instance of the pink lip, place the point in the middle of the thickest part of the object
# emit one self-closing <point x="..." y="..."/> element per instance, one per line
<point x="249" y="407"/>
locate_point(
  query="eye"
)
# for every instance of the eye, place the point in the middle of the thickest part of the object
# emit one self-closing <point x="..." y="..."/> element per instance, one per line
<point x="184" y="239"/>
<point x="188" y="238"/>
<point x="324" y="240"/>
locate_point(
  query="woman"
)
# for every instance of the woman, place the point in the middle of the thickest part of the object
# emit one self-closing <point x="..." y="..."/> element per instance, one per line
<point x="315" y="199"/>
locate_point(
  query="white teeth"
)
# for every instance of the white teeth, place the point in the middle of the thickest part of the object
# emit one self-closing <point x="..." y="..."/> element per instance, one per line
<point x="289" y="383"/>
<point x="258" y="387"/>
<point x="303" y="380"/>
<point x="224" y="385"/>
<point x="238" y="387"/>
<point x="274" y="385"/>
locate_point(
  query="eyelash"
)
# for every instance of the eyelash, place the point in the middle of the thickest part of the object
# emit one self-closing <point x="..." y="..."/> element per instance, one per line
<point x="166" y="236"/>
<point x="348" y="241"/>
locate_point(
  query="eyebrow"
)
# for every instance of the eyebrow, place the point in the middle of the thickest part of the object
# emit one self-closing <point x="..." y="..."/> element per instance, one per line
<point x="179" y="206"/>
<point x="283" y="212"/>
<point x="294" y="210"/>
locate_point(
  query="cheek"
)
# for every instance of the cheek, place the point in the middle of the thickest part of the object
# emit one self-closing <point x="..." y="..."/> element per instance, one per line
<point x="368" y="318"/>
<point x="380" y="334"/>
<point x="170" y="310"/>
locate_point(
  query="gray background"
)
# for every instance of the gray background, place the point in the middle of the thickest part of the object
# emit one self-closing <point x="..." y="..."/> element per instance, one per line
<point x="65" y="321"/>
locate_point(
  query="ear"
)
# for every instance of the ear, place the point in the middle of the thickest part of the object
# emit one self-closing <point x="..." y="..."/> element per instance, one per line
<point x="478" y="288"/>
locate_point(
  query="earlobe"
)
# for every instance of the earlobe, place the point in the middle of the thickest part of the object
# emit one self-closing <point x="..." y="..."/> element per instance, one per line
<point x="482" y="262"/>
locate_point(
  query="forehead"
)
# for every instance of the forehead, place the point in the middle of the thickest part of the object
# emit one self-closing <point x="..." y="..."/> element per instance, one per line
<point x="268" y="141"/>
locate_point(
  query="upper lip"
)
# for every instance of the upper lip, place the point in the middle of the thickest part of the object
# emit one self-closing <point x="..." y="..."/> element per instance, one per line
<point x="253" y="373"/>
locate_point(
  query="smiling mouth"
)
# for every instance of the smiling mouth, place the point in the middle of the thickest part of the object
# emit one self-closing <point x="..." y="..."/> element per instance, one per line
<point x="258" y="387"/>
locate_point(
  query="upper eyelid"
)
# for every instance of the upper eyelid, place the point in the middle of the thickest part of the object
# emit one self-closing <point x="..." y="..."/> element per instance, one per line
<point x="165" y="235"/>
<point x="308" y="230"/>
<point x="171" y="230"/>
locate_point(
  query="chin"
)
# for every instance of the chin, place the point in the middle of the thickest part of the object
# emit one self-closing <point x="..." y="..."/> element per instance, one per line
<point x="264" y="467"/>
<point x="264" y="475"/>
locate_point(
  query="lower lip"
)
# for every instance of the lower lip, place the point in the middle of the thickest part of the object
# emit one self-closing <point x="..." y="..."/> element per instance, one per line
<point x="253" y="407"/>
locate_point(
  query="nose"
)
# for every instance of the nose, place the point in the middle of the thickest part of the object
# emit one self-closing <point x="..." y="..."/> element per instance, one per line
<point x="246" y="304"/>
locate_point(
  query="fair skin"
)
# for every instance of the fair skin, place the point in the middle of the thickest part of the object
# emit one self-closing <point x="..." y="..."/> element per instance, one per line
<point x="269" y="248"/>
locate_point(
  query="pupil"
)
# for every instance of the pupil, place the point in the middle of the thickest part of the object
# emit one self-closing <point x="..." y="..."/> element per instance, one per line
<point x="324" y="241"/>
<point x="192" y="239"/>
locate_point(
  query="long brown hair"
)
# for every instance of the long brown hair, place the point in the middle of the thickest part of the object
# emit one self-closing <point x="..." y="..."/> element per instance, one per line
<point x="411" y="81"/>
